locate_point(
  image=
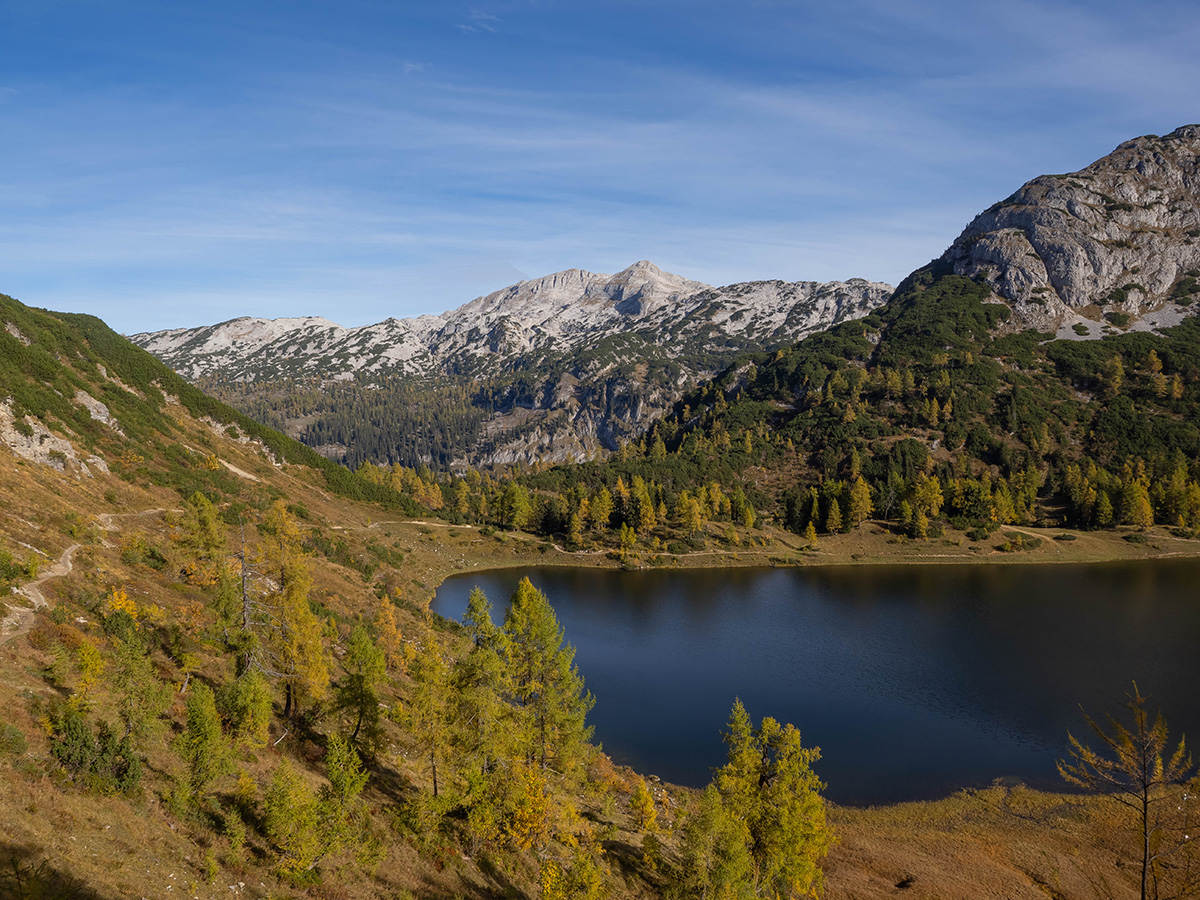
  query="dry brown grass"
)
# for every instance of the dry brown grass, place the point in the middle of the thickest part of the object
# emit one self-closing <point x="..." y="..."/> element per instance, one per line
<point x="1008" y="842"/>
<point x="1001" y="842"/>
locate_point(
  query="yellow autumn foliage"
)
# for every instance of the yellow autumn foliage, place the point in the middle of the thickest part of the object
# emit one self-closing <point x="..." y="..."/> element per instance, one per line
<point x="118" y="601"/>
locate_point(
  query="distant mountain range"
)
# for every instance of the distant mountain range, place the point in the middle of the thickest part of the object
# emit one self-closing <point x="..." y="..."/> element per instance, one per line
<point x="560" y="367"/>
<point x="567" y="366"/>
<point x="560" y="313"/>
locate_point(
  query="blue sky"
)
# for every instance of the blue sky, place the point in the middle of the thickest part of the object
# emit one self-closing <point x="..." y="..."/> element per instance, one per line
<point x="166" y="164"/>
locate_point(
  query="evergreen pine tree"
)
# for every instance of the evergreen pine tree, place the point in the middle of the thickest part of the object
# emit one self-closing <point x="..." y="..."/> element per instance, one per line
<point x="203" y="746"/>
<point x="481" y="684"/>
<point x="358" y="691"/>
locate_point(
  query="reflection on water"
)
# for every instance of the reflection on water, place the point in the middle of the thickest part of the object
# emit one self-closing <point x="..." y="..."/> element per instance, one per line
<point x="913" y="680"/>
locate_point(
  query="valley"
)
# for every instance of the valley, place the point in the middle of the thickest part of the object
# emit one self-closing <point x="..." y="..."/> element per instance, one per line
<point x="115" y="846"/>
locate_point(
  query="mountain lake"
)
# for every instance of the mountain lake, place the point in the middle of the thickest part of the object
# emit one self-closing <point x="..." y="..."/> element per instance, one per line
<point x="913" y="680"/>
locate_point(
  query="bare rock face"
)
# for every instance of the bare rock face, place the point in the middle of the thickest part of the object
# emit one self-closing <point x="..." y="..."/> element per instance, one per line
<point x="1115" y="245"/>
<point x="559" y="313"/>
<point x="29" y="439"/>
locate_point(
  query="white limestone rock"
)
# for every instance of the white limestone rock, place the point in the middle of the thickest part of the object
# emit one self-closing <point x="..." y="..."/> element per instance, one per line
<point x="558" y="313"/>
<point x="1118" y="238"/>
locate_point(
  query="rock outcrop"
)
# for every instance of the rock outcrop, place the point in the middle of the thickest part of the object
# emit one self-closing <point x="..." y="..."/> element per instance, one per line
<point x="29" y="439"/>
<point x="1113" y="246"/>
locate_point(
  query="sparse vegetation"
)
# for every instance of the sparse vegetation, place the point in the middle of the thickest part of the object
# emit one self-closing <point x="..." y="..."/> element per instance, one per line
<point x="1137" y="767"/>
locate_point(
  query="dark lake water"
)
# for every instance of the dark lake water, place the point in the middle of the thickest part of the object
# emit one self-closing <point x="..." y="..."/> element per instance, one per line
<point x="913" y="680"/>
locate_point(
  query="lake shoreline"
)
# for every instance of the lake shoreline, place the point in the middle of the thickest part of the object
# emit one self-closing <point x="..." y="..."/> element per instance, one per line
<point x="964" y="673"/>
<point x="871" y="545"/>
<point x="925" y="843"/>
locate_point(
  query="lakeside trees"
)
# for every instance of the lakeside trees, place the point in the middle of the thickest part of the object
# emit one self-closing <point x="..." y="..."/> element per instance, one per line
<point x="1137" y="767"/>
<point x="760" y="828"/>
<point x="497" y="715"/>
<point x="544" y="681"/>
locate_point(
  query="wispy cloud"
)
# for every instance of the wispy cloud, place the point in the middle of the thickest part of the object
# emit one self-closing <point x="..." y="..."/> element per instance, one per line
<point x="481" y="21"/>
<point x="307" y="174"/>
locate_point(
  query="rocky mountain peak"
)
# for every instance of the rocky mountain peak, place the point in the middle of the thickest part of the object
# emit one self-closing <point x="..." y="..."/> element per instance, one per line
<point x="1115" y="245"/>
<point x="634" y="290"/>
<point x="644" y="287"/>
<point x="577" y="335"/>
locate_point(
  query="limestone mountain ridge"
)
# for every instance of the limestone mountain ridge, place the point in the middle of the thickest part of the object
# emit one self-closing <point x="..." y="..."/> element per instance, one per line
<point x="555" y="313"/>
<point x="1114" y="246"/>
<point x="555" y="368"/>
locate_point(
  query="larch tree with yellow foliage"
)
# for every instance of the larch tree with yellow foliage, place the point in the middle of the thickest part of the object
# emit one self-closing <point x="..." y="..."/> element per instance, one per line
<point x="294" y="637"/>
<point x="546" y="685"/>
<point x="391" y="638"/>
<point x="429" y="706"/>
<point x="760" y="830"/>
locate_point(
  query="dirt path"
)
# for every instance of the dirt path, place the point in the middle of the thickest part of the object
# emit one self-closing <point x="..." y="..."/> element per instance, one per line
<point x="19" y="621"/>
<point x="106" y="519"/>
<point x="420" y="522"/>
<point x="240" y="472"/>
<point x="400" y="522"/>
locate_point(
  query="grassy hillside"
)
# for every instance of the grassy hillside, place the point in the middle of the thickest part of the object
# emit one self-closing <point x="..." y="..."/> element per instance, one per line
<point x="45" y="358"/>
<point x="234" y="678"/>
<point x="225" y="671"/>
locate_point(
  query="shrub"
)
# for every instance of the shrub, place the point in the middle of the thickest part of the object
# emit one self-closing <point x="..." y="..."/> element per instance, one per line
<point x="234" y="830"/>
<point x="12" y="740"/>
<point x="120" y="624"/>
<point x="1016" y="542"/>
<point x="101" y="762"/>
<point x="245" y="703"/>
<point x="13" y="570"/>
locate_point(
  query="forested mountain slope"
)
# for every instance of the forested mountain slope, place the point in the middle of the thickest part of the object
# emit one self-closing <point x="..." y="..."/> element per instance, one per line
<point x="557" y="368"/>
<point x="944" y="406"/>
